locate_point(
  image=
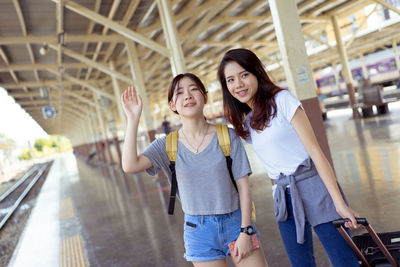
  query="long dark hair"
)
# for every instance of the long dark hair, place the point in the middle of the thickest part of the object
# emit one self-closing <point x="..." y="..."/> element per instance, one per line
<point x="264" y="101"/>
<point x="175" y="82"/>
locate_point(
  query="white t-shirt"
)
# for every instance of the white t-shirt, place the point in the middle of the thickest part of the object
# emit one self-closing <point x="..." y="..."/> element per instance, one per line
<point x="278" y="146"/>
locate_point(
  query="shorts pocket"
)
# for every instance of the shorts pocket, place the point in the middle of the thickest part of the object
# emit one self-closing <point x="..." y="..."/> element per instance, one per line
<point x="191" y="226"/>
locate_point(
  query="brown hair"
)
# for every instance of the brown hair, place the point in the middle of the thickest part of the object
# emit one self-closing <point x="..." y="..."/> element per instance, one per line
<point x="264" y="101"/>
<point x="175" y="82"/>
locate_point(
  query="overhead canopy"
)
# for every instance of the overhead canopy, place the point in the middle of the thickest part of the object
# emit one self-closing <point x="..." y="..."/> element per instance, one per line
<point x="59" y="52"/>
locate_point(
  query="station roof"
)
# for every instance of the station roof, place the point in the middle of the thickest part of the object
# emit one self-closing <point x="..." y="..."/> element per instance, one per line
<point x="59" y="52"/>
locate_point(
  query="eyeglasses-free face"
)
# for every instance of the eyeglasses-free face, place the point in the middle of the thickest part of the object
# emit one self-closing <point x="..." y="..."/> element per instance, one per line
<point x="242" y="84"/>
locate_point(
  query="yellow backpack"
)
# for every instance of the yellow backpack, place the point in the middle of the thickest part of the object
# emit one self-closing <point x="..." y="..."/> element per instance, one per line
<point x="171" y="147"/>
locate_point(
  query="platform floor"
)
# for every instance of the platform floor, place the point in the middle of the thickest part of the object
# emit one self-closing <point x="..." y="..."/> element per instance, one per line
<point x="99" y="216"/>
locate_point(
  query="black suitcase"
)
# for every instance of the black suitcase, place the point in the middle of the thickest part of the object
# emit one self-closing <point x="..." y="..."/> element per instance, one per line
<point x="373" y="249"/>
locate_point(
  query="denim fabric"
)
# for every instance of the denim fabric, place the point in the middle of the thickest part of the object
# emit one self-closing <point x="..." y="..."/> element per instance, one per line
<point x="339" y="252"/>
<point x="207" y="236"/>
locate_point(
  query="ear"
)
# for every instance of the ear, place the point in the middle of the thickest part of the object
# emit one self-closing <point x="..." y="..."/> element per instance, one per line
<point x="172" y="106"/>
<point x="205" y="98"/>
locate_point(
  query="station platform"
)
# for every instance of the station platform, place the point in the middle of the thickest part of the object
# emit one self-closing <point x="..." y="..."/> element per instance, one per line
<point x="94" y="215"/>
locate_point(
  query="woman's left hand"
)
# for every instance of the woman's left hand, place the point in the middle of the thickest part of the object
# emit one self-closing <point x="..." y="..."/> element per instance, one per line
<point x="242" y="248"/>
<point x="348" y="213"/>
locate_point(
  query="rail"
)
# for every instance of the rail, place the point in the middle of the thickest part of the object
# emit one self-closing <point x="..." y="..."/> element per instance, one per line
<point x="20" y="198"/>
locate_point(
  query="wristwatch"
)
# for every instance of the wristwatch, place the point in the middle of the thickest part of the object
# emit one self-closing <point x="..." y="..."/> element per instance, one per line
<point x="248" y="230"/>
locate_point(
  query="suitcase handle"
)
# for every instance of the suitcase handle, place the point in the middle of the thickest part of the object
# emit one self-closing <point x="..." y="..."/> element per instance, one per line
<point x="340" y="222"/>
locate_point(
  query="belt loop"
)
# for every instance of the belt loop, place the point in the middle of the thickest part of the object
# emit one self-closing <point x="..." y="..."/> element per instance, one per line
<point x="201" y="219"/>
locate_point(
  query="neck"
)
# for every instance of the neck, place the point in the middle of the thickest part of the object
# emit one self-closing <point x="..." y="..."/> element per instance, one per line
<point x="250" y="103"/>
<point x="194" y="126"/>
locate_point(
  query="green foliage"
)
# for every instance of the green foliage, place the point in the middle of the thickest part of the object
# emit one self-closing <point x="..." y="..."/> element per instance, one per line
<point x="44" y="147"/>
<point x="26" y="154"/>
<point x="41" y="143"/>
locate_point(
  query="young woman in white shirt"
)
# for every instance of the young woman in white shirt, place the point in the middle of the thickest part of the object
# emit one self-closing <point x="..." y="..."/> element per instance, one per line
<point x="306" y="193"/>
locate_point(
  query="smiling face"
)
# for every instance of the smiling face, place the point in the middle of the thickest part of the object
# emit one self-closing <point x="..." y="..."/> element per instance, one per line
<point x="242" y="84"/>
<point x="188" y="98"/>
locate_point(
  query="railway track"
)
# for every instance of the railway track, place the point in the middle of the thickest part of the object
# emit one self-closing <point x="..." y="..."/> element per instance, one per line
<point x="13" y="197"/>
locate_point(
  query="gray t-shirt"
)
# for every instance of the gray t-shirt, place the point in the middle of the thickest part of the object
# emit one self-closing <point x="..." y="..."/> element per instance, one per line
<point x="204" y="183"/>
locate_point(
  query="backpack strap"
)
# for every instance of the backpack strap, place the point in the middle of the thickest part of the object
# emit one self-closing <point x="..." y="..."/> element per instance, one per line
<point x="223" y="139"/>
<point x="171" y="147"/>
<point x="225" y="144"/>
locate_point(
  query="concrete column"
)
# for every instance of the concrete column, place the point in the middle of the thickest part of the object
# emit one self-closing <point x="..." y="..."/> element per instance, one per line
<point x="364" y="69"/>
<point x="103" y="130"/>
<point x="108" y="149"/>
<point x="116" y="143"/>
<point x="296" y="65"/>
<point x="117" y="97"/>
<point x="92" y="132"/>
<point x="86" y="133"/>
<point x="172" y="37"/>
<point x="96" y="137"/>
<point x="138" y="77"/>
<point x="337" y="77"/>
<point x="396" y="54"/>
<point x="346" y="71"/>
<point x="364" y="83"/>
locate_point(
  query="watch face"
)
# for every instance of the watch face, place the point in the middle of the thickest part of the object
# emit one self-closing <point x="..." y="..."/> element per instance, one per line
<point x="250" y="230"/>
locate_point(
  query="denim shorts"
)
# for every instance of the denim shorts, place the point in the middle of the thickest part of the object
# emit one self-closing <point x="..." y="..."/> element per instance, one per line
<point x="207" y="236"/>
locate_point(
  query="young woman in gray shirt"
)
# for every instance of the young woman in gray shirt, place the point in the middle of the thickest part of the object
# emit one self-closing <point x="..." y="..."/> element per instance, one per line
<point x="215" y="213"/>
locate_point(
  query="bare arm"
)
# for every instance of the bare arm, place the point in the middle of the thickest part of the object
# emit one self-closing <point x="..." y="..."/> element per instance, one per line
<point x="132" y="105"/>
<point x="245" y="199"/>
<point x="243" y="243"/>
<point x="304" y="130"/>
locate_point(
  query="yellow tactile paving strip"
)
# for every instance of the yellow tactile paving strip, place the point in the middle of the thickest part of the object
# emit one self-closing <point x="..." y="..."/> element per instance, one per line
<point x="72" y="253"/>
<point x="66" y="209"/>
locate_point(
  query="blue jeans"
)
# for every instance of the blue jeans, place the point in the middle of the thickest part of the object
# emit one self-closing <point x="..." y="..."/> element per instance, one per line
<point x="207" y="237"/>
<point x="339" y="252"/>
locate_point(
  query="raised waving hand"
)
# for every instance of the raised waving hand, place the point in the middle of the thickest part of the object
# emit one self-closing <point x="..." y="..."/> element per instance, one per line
<point x="131" y="103"/>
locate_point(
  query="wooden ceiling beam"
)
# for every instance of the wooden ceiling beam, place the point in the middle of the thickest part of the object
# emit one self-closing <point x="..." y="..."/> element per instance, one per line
<point x="37" y="66"/>
<point x="68" y="38"/>
<point x="86" y="84"/>
<point x="5" y="59"/>
<point x="33" y="84"/>
<point x="194" y="32"/>
<point x="89" y="31"/>
<point x="21" y="20"/>
<point x="388" y="6"/>
<point x="110" y="16"/>
<point x="91" y="63"/>
<point x="134" y="36"/>
<point x="125" y="21"/>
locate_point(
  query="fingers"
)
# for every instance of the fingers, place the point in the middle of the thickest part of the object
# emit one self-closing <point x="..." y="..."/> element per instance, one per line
<point x="239" y="258"/>
<point x="129" y="95"/>
<point x="241" y="254"/>
<point x="235" y="251"/>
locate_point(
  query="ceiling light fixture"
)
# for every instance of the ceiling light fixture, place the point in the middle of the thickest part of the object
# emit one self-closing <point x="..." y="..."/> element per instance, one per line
<point x="43" y="49"/>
